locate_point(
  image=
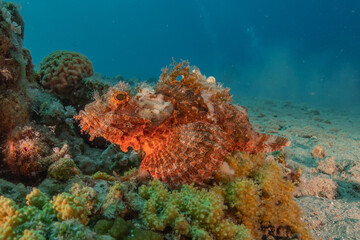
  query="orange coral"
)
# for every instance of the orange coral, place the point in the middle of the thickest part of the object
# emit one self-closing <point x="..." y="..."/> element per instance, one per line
<point x="186" y="127"/>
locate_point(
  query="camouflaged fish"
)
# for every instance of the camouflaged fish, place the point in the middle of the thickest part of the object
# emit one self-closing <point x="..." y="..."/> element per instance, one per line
<point x="186" y="125"/>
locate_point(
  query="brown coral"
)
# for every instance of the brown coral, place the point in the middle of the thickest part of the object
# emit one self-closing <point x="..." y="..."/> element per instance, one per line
<point x="13" y="112"/>
<point x="185" y="126"/>
<point x="63" y="71"/>
<point x="26" y="150"/>
<point x="11" y="40"/>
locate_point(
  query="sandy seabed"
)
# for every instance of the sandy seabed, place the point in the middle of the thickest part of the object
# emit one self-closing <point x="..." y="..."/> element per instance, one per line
<point x="325" y="145"/>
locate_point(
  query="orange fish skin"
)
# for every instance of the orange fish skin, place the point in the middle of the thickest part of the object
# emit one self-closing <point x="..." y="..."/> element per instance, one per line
<point x="185" y="126"/>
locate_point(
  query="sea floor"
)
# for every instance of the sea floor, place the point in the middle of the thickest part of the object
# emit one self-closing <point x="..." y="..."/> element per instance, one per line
<point x="329" y="191"/>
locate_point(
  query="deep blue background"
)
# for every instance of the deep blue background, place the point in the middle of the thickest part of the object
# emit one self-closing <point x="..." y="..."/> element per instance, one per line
<point x="307" y="51"/>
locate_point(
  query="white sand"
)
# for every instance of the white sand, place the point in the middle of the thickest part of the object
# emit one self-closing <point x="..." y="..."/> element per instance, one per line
<point x="329" y="193"/>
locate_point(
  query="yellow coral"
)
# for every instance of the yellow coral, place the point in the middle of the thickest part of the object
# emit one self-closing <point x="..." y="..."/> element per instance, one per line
<point x="9" y="218"/>
<point x="36" y="198"/>
<point x="32" y="235"/>
<point x="244" y="164"/>
<point x="244" y="195"/>
<point x="86" y="193"/>
<point x="8" y="209"/>
<point x="102" y="176"/>
<point x="280" y="209"/>
<point x="71" y="207"/>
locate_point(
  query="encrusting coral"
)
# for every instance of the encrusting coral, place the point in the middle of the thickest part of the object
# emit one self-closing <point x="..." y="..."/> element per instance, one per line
<point x="185" y="126"/>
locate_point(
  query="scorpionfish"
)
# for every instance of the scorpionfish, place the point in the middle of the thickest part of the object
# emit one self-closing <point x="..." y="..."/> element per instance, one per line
<point x="186" y="125"/>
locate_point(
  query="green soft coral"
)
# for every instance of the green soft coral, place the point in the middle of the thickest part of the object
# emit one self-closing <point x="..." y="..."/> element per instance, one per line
<point x="193" y="212"/>
<point x="62" y="218"/>
<point x="114" y="205"/>
<point x="87" y="193"/>
<point x="14" y="221"/>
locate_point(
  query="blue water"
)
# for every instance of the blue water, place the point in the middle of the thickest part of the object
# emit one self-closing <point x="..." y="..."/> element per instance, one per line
<point x="304" y="51"/>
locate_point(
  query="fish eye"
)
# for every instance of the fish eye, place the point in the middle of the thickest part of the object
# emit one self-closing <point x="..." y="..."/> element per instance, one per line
<point x="118" y="98"/>
<point x="121" y="96"/>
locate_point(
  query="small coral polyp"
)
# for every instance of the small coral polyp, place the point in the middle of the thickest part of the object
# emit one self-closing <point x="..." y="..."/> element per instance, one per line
<point x="186" y="127"/>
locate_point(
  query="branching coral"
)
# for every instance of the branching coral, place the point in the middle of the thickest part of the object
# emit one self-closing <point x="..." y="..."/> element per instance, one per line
<point x="244" y="196"/>
<point x="186" y="127"/>
<point x="114" y="204"/>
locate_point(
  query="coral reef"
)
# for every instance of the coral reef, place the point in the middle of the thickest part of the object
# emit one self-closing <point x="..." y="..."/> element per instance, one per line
<point x="13" y="106"/>
<point x="12" y="62"/>
<point x="211" y="175"/>
<point x="186" y="127"/>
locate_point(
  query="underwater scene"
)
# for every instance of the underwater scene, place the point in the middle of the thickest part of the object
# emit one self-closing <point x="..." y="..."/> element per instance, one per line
<point x="177" y="120"/>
